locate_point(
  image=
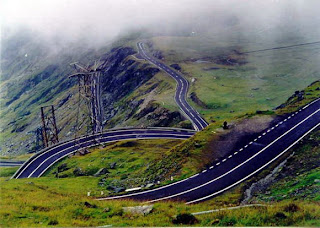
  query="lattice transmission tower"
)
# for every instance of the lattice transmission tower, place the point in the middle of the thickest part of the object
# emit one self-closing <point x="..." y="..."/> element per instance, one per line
<point x="49" y="126"/>
<point x="89" y="92"/>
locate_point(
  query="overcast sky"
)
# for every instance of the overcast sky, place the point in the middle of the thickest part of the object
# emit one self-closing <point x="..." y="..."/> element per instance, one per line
<point x="103" y="20"/>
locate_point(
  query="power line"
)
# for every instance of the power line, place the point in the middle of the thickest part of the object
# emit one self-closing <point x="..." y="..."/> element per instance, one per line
<point x="282" y="47"/>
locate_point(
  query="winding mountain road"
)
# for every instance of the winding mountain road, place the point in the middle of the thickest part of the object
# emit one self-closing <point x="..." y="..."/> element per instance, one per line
<point x="181" y="91"/>
<point x="10" y="163"/>
<point x="231" y="170"/>
<point x="239" y="165"/>
<point x="42" y="161"/>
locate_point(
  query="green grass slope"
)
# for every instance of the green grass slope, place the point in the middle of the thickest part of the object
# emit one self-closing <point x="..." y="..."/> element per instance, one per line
<point x="230" y="83"/>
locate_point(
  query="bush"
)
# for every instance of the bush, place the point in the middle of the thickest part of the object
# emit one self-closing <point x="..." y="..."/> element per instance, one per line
<point x="186" y="218"/>
<point x="291" y="208"/>
<point x="280" y="215"/>
<point x="53" y="222"/>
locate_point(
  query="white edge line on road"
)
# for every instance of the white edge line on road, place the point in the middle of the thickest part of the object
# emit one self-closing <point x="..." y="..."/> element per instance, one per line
<point x="170" y="72"/>
<point x="97" y="145"/>
<point x="114" y="136"/>
<point x="233" y="169"/>
<point x="251" y="174"/>
<point x="40" y="154"/>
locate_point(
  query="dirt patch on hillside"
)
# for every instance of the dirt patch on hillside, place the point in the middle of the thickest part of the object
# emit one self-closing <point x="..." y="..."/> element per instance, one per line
<point x="228" y="58"/>
<point x="238" y="135"/>
<point x="197" y="100"/>
<point x="149" y="98"/>
<point x="232" y="59"/>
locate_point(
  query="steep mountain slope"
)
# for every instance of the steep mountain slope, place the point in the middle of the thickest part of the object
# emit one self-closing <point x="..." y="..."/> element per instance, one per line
<point x="35" y="74"/>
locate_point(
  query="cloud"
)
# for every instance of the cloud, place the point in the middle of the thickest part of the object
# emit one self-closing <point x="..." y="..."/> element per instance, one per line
<point x="99" y="21"/>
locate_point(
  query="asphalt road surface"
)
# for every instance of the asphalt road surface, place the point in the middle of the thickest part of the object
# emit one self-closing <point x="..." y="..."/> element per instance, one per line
<point x="181" y="91"/>
<point x="38" y="164"/>
<point x="241" y="164"/>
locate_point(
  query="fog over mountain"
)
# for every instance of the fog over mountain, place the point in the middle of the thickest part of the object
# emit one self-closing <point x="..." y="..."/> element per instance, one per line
<point x="98" y="22"/>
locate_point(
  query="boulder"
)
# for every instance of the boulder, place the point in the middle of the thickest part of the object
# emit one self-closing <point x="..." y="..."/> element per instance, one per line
<point x="89" y="205"/>
<point x="185" y="219"/>
<point x="101" y="171"/>
<point x="62" y="167"/>
<point x="149" y="185"/>
<point x="78" y="172"/>
<point x="113" y="165"/>
<point x="141" y="210"/>
<point x="107" y="209"/>
<point x="119" y="189"/>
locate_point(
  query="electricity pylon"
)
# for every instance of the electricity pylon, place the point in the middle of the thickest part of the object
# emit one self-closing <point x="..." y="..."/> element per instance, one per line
<point x="49" y="126"/>
<point x="89" y="88"/>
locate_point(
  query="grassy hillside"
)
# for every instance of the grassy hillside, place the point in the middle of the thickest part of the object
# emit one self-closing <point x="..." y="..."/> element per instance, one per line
<point x="144" y="162"/>
<point x="225" y="83"/>
<point x="289" y="199"/>
<point x="65" y="201"/>
<point x="123" y="163"/>
<point x="230" y="83"/>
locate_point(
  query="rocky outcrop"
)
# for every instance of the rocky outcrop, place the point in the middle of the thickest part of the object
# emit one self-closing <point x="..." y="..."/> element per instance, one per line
<point x="140" y="210"/>
<point x="157" y="116"/>
<point x="121" y="77"/>
<point x="101" y="171"/>
<point x="297" y="96"/>
<point x="45" y="80"/>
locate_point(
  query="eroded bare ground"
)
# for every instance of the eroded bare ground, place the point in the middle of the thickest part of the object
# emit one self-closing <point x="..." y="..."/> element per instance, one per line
<point x="239" y="134"/>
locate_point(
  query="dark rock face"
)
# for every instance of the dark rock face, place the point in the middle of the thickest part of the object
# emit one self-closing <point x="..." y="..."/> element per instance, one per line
<point x="113" y="165"/>
<point x="148" y="109"/>
<point x="78" y="172"/>
<point x="157" y="116"/>
<point x="64" y="100"/>
<point x="165" y="117"/>
<point x="44" y="79"/>
<point x="62" y="167"/>
<point x="122" y="77"/>
<point x="89" y="205"/>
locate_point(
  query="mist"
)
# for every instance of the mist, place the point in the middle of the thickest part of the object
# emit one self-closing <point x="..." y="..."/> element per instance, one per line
<point x="99" y="22"/>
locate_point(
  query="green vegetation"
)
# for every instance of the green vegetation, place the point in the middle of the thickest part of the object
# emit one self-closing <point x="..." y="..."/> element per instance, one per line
<point x="7" y="171"/>
<point x="124" y="163"/>
<point x="301" y="98"/>
<point x="250" y="82"/>
<point x="230" y="91"/>
<point x="64" y="203"/>
<point x="137" y="166"/>
<point x="299" y="179"/>
<point x="291" y="201"/>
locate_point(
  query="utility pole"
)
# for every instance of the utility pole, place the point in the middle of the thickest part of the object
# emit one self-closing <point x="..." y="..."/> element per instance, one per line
<point x="49" y="126"/>
<point x="89" y="88"/>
